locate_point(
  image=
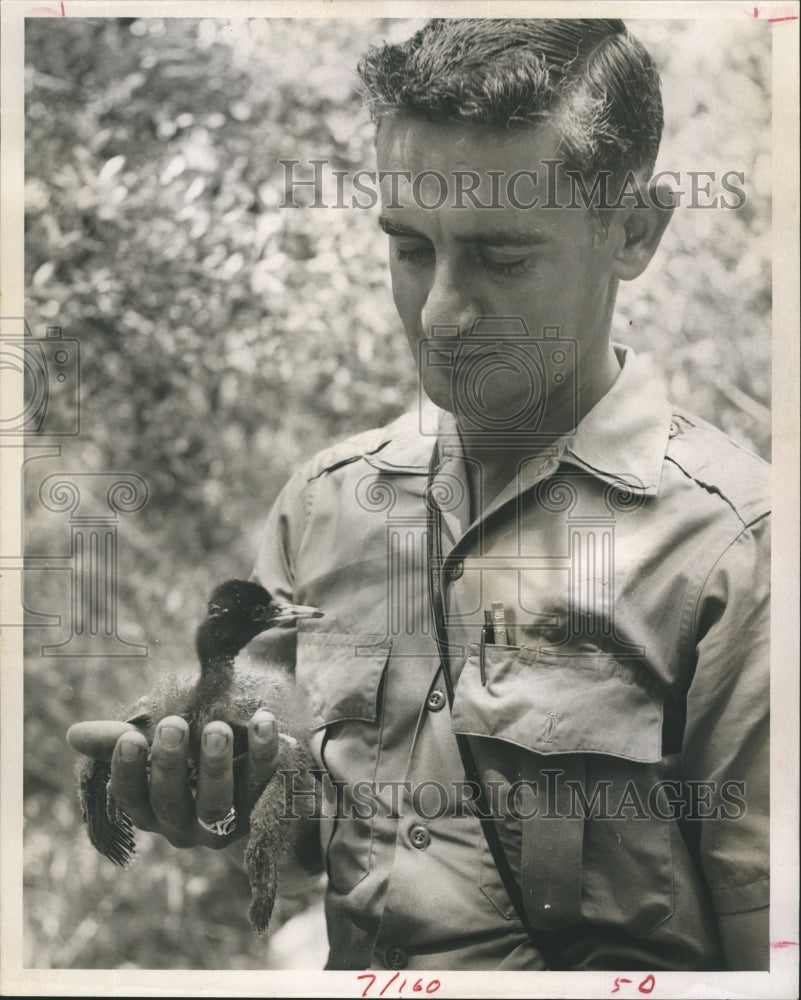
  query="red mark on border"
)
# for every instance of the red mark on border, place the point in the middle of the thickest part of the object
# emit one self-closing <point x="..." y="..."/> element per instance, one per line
<point x="754" y="15"/>
<point x="47" y="11"/>
<point x="419" y="987"/>
<point x="646" y="986"/>
<point x="391" y="981"/>
<point x="784" y="944"/>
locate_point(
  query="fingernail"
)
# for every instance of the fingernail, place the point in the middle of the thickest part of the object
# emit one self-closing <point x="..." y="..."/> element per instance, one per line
<point x="171" y="737"/>
<point x="215" y="741"/>
<point x="265" y="727"/>
<point x="130" y="750"/>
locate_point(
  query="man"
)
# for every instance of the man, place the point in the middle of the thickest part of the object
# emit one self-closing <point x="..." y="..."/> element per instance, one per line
<point x="539" y="693"/>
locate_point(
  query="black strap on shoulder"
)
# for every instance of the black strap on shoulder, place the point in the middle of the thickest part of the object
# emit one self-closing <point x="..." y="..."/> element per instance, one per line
<point x="543" y="941"/>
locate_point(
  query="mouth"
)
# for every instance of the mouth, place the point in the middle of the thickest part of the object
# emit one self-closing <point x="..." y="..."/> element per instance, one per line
<point x="282" y="614"/>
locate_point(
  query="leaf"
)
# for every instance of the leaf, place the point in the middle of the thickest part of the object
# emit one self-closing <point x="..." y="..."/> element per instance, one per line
<point x="110" y="169"/>
<point x="174" y="169"/>
<point x="44" y="273"/>
<point x="194" y="190"/>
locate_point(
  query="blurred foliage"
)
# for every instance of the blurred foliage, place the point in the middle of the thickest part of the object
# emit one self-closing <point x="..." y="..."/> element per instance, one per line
<point x="224" y="339"/>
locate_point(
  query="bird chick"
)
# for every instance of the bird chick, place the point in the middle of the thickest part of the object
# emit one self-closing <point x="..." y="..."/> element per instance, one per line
<point x="237" y="611"/>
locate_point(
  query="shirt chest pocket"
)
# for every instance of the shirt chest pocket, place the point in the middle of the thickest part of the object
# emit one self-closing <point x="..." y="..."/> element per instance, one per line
<point x="341" y="674"/>
<point x="581" y="735"/>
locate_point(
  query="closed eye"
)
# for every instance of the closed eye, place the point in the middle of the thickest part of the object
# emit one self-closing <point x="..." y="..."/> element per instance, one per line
<point x="413" y="254"/>
<point x="506" y="264"/>
<point x="506" y="259"/>
<point x="507" y="268"/>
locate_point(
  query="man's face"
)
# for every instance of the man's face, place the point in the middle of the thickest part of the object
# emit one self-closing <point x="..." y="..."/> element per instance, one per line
<point x="461" y="262"/>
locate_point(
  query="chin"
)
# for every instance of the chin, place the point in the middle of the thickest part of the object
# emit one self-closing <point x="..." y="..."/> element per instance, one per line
<point x="440" y="392"/>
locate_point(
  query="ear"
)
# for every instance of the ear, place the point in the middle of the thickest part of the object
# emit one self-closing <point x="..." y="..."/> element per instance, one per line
<point x="643" y="228"/>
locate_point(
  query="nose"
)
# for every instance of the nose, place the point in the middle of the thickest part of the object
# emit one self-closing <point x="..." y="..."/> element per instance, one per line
<point x="450" y="301"/>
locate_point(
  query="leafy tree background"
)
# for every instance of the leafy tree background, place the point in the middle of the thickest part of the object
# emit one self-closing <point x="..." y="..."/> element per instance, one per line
<point x="225" y="339"/>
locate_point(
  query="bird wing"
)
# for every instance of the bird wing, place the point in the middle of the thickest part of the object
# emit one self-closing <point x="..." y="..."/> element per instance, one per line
<point x="110" y="829"/>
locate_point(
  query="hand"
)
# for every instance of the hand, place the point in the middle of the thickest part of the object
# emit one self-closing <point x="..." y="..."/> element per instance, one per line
<point x="163" y="801"/>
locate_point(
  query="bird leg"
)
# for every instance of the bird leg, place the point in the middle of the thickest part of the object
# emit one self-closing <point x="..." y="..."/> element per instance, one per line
<point x="275" y="826"/>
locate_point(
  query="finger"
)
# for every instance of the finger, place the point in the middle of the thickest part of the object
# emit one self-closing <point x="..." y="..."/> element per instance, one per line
<point x="129" y="784"/>
<point x="215" y="783"/>
<point x="97" y="739"/>
<point x="170" y="795"/>
<point x="263" y="747"/>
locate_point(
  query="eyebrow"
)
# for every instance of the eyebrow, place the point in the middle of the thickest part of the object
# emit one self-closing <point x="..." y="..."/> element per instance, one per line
<point x="502" y="236"/>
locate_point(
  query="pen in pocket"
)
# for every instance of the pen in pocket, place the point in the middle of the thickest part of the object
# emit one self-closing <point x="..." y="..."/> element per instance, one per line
<point x="493" y="632"/>
<point x="500" y="636"/>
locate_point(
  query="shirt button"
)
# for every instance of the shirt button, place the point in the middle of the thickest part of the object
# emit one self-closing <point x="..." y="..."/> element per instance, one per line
<point x="396" y="958"/>
<point x="674" y="429"/>
<point x="436" y="700"/>
<point x="420" y="837"/>
<point x="455" y="570"/>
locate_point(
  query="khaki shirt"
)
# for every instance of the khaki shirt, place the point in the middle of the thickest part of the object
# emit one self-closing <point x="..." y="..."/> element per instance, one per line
<point x="620" y="723"/>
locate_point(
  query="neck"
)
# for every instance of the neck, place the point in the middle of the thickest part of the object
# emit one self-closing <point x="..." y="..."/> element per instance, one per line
<point x="490" y="466"/>
<point x="215" y="664"/>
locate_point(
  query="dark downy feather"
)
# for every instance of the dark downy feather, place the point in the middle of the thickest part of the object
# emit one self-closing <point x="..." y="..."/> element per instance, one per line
<point x="110" y="829"/>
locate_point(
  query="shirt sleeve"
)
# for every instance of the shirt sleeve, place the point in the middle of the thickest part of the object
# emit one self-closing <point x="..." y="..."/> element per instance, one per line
<point x="726" y="745"/>
<point x="275" y="566"/>
<point x="275" y="570"/>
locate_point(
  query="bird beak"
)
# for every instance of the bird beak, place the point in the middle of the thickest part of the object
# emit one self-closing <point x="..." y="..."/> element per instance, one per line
<point x="281" y="614"/>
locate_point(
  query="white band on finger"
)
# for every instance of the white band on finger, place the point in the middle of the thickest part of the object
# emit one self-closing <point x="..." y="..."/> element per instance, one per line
<point x="221" y="827"/>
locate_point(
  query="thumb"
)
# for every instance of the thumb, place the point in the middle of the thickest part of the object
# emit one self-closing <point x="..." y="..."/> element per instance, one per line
<point x="97" y="739"/>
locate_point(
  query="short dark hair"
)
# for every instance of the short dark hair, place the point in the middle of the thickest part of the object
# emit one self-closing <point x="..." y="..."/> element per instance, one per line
<point x="589" y="78"/>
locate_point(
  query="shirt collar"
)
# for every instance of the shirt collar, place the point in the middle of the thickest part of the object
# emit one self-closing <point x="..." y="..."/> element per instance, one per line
<point x="622" y="440"/>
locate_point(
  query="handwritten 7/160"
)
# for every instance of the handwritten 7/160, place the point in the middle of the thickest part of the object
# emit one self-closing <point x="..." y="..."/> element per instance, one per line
<point x="430" y="987"/>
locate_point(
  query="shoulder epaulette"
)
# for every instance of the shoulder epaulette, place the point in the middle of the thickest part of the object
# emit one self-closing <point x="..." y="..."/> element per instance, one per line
<point x="719" y="465"/>
<point x="356" y="447"/>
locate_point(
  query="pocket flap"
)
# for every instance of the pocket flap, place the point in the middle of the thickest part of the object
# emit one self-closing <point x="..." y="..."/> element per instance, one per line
<point x="556" y="703"/>
<point x="341" y="673"/>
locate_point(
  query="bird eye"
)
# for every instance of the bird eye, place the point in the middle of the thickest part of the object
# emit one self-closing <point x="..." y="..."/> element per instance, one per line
<point x="259" y="612"/>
